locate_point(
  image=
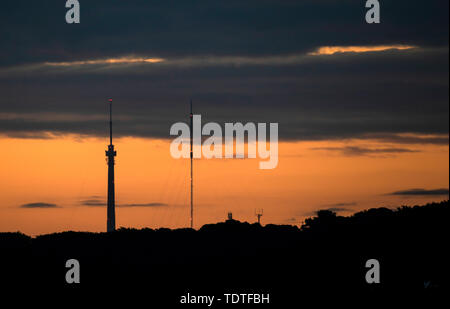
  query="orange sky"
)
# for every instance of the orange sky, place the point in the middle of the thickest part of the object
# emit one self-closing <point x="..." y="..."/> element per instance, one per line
<point x="67" y="170"/>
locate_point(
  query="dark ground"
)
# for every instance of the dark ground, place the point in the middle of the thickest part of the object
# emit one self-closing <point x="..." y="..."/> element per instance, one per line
<point x="326" y="256"/>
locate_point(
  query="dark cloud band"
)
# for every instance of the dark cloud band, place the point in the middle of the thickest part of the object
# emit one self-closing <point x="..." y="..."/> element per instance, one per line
<point x="39" y="205"/>
<point x="422" y="192"/>
<point x="240" y="61"/>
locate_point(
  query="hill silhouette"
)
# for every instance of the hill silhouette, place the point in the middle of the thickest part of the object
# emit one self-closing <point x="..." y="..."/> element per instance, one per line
<point x="328" y="253"/>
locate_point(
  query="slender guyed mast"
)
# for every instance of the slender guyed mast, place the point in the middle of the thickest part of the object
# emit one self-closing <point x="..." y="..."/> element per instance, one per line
<point x="192" y="172"/>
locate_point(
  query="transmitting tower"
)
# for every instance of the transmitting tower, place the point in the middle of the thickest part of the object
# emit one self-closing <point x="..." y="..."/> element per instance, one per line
<point x="191" y="116"/>
<point x="110" y="154"/>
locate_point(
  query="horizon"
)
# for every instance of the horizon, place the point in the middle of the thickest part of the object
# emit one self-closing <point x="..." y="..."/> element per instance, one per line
<point x="227" y="220"/>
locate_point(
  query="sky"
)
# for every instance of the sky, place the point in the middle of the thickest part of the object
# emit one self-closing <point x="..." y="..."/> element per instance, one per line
<point x="363" y="109"/>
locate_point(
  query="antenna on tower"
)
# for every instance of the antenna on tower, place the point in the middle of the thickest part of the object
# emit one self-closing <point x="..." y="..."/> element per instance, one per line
<point x="110" y="121"/>
<point x="191" y="116"/>
<point x="259" y="213"/>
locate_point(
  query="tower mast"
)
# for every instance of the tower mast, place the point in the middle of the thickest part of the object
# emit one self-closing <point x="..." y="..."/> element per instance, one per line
<point x="110" y="154"/>
<point x="191" y="116"/>
<point x="258" y="214"/>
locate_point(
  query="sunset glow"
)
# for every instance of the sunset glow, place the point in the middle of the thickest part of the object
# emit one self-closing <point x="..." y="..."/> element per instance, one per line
<point x="122" y="60"/>
<point x="310" y="176"/>
<point x="330" y="50"/>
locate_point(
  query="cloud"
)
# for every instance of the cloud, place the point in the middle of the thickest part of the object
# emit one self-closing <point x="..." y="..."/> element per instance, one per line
<point x="331" y="50"/>
<point x="137" y="65"/>
<point x="342" y="204"/>
<point x="98" y="202"/>
<point x="421" y="192"/>
<point x="221" y="27"/>
<point x="361" y="151"/>
<point x="109" y="61"/>
<point x="55" y="78"/>
<point x="130" y="62"/>
<point x="338" y="209"/>
<point x="39" y="205"/>
<point x="93" y="202"/>
<point x="143" y="205"/>
<point x="410" y="138"/>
